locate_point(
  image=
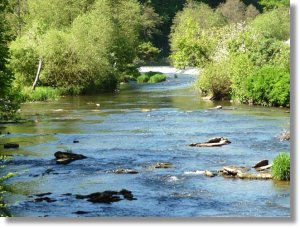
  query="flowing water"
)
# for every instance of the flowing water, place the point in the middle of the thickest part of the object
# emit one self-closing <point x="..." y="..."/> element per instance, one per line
<point x="136" y="127"/>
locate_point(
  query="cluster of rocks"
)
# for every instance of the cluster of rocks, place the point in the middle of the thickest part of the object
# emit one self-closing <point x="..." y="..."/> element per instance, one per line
<point x="241" y="172"/>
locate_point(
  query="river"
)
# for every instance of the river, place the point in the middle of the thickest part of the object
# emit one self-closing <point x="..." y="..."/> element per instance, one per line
<point x="136" y="127"/>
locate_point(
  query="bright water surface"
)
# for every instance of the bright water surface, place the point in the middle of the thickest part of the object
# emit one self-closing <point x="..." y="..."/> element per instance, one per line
<point x="135" y="128"/>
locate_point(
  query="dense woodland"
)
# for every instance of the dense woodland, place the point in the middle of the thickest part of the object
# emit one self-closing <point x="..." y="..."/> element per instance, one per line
<point x="241" y="47"/>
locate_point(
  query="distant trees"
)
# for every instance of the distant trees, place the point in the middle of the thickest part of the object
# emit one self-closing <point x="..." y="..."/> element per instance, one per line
<point x="237" y="50"/>
<point x="84" y="44"/>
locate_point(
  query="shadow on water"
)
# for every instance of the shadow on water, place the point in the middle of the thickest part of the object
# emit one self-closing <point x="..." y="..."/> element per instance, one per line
<point x="135" y="128"/>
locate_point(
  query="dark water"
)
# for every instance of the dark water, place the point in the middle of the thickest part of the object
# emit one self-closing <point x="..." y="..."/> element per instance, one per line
<point x="135" y="128"/>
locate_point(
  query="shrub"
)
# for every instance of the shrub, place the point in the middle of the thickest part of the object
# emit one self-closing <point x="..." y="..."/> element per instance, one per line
<point x="269" y="85"/>
<point x="215" y="80"/>
<point x="143" y="78"/>
<point x="157" y="78"/>
<point x="281" y="167"/>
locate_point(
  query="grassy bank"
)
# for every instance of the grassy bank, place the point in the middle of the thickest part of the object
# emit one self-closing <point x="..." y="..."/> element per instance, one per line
<point x="39" y="94"/>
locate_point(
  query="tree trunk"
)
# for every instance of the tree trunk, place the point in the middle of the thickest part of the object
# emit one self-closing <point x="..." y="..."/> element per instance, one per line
<point x="37" y="75"/>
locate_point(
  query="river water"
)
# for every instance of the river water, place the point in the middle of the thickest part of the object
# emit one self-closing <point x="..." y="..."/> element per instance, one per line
<point x="136" y="127"/>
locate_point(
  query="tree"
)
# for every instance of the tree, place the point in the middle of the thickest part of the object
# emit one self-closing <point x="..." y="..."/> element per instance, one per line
<point x="274" y="24"/>
<point x="251" y="12"/>
<point x="8" y="103"/>
<point x="194" y="35"/>
<point x="233" y="10"/>
<point x="271" y="4"/>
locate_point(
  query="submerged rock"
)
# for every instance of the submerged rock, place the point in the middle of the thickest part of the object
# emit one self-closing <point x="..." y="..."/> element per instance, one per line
<point x="217" y="141"/>
<point x="46" y="199"/>
<point x="209" y="173"/>
<point x="162" y="165"/>
<point x="67" y="157"/>
<point x="107" y="196"/>
<point x="125" y="171"/>
<point x="217" y="107"/>
<point x="261" y="163"/>
<point x="11" y="145"/>
<point x="43" y="194"/>
<point x="255" y="176"/>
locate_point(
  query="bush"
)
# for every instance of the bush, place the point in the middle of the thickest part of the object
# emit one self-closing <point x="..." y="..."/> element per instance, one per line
<point x="151" y="77"/>
<point x="215" y="80"/>
<point x="157" y="78"/>
<point x="39" y="94"/>
<point x="281" y="167"/>
<point x="269" y="85"/>
<point x="143" y="78"/>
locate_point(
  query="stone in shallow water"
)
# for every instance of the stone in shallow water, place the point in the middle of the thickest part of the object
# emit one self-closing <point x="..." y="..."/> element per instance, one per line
<point x="213" y="142"/>
<point x="107" y="196"/>
<point x="163" y="165"/>
<point x="125" y="171"/>
<point x="67" y="157"/>
<point x="46" y="199"/>
<point x="261" y="163"/>
<point x="11" y="145"/>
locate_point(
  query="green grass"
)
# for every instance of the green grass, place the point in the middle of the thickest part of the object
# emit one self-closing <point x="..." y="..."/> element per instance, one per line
<point x="39" y="94"/>
<point x="281" y="167"/>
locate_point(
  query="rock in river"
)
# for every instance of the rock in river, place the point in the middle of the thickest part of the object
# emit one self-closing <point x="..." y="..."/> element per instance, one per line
<point x="162" y="165"/>
<point x="125" y="171"/>
<point x="217" y="141"/>
<point x="261" y="163"/>
<point x="11" y="145"/>
<point x="67" y="157"/>
<point x="107" y="196"/>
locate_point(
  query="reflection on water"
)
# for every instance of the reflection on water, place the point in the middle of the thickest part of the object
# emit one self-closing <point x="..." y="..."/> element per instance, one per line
<point x="136" y="128"/>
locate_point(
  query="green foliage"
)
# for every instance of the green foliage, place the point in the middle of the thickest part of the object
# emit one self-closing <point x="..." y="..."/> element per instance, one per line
<point x="271" y="4"/>
<point x="143" y="78"/>
<point x="281" y="167"/>
<point x="151" y="77"/>
<point x="215" y="80"/>
<point x="147" y="53"/>
<point x="273" y="24"/>
<point x="39" y="94"/>
<point x="8" y="103"/>
<point x="84" y="44"/>
<point x="157" y="78"/>
<point x="194" y="35"/>
<point x="269" y="85"/>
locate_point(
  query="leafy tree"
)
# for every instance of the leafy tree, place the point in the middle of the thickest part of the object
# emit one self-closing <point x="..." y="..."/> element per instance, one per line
<point x="271" y="4"/>
<point x="8" y="102"/>
<point x="195" y="35"/>
<point x="233" y="10"/>
<point x="273" y="24"/>
<point x="251" y="12"/>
